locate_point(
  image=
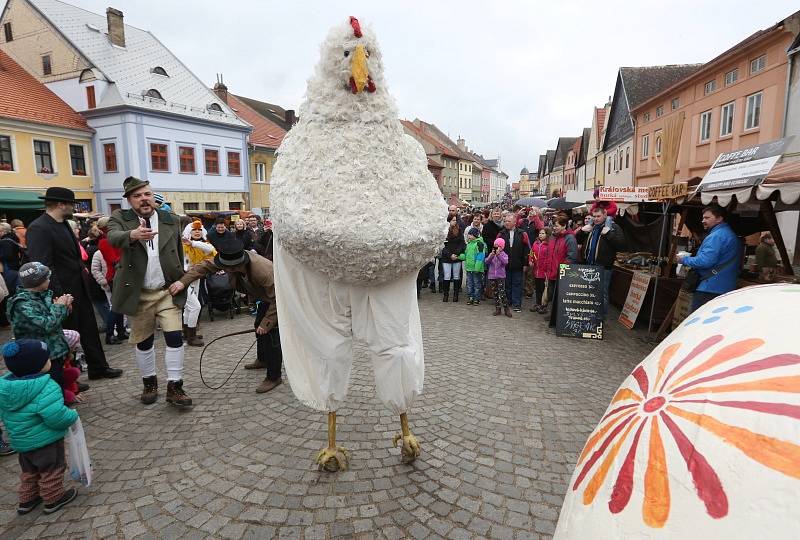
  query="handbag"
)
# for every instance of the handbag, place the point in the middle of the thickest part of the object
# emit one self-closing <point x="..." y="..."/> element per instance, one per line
<point x="693" y="278"/>
<point x="80" y="466"/>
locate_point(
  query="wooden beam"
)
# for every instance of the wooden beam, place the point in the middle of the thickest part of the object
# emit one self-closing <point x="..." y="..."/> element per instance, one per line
<point x="774" y="228"/>
<point x="674" y="243"/>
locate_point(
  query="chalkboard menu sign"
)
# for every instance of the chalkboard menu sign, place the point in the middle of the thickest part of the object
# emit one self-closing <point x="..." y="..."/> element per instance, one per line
<point x="580" y="301"/>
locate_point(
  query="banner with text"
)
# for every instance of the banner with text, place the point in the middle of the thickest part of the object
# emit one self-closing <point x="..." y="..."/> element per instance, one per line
<point x="746" y="167"/>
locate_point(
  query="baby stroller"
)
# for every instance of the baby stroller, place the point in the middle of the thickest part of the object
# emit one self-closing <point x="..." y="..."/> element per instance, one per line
<point x="219" y="295"/>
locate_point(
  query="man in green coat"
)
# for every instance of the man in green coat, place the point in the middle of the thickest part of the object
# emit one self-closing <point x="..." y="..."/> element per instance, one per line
<point x="152" y="258"/>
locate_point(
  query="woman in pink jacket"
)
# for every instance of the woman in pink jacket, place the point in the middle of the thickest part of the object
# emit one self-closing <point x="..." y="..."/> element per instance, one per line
<point x="542" y="267"/>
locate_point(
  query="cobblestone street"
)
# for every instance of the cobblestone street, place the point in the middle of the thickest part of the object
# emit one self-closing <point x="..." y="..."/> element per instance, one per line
<point x="506" y="408"/>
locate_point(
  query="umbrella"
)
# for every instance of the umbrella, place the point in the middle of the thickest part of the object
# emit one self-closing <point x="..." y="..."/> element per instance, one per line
<point x="532" y="201"/>
<point x="560" y="203"/>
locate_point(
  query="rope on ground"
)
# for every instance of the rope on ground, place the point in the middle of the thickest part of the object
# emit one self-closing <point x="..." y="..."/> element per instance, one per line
<point x="234" y="367"/>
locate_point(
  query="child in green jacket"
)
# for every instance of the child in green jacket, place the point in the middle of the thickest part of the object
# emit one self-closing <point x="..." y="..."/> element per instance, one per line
<point x="33" y="412"/>
<point x="474" y="257"/>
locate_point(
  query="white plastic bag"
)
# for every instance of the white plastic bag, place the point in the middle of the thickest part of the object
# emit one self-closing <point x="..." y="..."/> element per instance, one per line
<point x="80" y="466"/>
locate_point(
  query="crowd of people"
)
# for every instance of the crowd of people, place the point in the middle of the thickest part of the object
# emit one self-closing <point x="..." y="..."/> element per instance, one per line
<point x="508" y="254"/>
<point x="142" y="269"/>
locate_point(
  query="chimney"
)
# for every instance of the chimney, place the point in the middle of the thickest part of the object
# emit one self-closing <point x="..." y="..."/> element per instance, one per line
<point x="461" y="144"/>
<point x="221" y="90"/>
<point x="116" y="27"/>
<point x="290" y="118"/>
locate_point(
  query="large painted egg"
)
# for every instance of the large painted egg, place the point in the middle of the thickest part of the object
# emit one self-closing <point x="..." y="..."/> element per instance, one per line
<point x="702" y="440"/>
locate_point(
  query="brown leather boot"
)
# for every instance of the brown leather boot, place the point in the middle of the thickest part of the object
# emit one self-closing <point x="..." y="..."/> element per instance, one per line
<point x="176" y="396"/>
<point x="150" y="392"/>
<point x="267" y="385"/>
<point x="192" y="339"/>
<point x="507" y="311"/>
<point x="497" y="311"/>
<point x="257" y="364"/>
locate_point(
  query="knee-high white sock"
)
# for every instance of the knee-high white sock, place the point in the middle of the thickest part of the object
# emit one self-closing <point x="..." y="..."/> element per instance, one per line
<point x="173" y="358"/>
<point x="146" y="361"/>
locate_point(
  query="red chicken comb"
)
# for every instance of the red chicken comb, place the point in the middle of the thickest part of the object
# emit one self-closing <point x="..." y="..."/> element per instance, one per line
<point x="356" y="26"/>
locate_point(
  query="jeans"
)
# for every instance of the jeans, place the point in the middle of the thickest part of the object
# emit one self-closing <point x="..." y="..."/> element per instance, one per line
<point x="474" y="285"/>
<point x="540" y="283"/>
<point x="452" y="271"/>
<point x="607" y="273"/>
<point x="700" y="298"/>
<point x="514" y="287"/>
<point x="112" y="320"/>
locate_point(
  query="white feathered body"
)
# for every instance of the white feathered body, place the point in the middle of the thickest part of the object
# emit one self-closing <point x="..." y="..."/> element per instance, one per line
<point x="351" y="193"/>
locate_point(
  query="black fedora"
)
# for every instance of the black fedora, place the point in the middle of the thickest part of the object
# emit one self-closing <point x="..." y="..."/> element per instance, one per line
<point x="230" y="252"/>
<point x="59" y="194"/>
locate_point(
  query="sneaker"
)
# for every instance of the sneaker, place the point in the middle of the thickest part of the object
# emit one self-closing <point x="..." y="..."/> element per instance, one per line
<point x="26" y="508"/>
<point x="67" y="498"/>
<point x="517" y="309"/>
<point x="469" y="302"/>
<point x="5" y="448"/>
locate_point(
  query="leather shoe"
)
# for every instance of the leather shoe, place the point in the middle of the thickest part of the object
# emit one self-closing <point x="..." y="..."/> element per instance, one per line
<point x="82" y="387"/>
<point x="256" y="365"/>
<point x="107" y="373"/>
<point x="112" y="340"/>
<point x="267" y="385"/>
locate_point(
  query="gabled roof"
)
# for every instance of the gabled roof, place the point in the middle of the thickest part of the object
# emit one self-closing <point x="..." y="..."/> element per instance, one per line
<point x="600" y="119"/>
<point x="129" y="68"/>
<point x="562" y="149"/>
<point x="587" y="133"/>
<point x="22" y="97"/>
<point x="265" y="132"/>
<point x="275" y="113"/>
<point x="426" y="137"/>
<point x="492" y="163"/>
<point x="642" y="83"/>
<point x="542" y="165"/>
<point x="436" y="133"/>
<point x="435" y="164"/>
<point x="551" y="158"/>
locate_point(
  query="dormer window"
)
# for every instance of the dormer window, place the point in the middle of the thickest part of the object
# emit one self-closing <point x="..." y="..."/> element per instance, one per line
<point x="153" y="93"/>
<point x="215" y="107"/>
<point x="158" y="70"/>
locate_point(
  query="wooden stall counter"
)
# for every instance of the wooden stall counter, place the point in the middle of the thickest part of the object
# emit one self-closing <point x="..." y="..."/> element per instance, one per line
<point x="666" y="294"/>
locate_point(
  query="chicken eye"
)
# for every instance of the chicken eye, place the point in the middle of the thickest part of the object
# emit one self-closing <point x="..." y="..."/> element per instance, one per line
<point x="346" y="54"/>
<point x="366" y="52"/>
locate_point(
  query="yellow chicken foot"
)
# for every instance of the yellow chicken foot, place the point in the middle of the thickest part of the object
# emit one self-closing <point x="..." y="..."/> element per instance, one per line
<point x="333" y="458"/>
<point x="410" y="449"/>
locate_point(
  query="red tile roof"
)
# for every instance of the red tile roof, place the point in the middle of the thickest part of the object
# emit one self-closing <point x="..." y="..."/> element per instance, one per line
<point x="22" y="97"/>
<point x="420" y="134"/>
<point x="265" y="133"/>
<point x="601" y="123"/>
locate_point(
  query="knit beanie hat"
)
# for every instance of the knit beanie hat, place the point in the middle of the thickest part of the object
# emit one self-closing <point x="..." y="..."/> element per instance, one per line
<point x="499" y="242"/>
<point x="33" y="274"/>
<point x="25" y="356"/>
<point x="474" y="232"/>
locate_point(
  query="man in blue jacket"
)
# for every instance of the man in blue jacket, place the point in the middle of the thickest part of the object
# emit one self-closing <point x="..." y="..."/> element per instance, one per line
<point x="718" y="260"/>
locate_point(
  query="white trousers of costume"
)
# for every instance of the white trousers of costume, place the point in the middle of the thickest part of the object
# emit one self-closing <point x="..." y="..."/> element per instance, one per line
<point x="191" y="311"/>
<point x="319" y="319"/>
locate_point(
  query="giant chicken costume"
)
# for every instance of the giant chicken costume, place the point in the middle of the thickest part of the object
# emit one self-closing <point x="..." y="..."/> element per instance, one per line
<point x="356" y="213"/>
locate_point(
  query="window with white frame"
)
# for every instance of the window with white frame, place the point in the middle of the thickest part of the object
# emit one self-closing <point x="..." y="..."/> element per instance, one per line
<point x="709" y="87"/>
<point x="43" y="156"/>
<point x="645" y="146"/>
<point x="752" y="112"/>
<point x="659" y="110"/>
<point x="646" y="117"/>
<point x="6" y="155"/>
<point x="676" y="102"/>
<point x="758" y="64"/>
<point x="731" y="77"/>
<point x="261" y="172"/>
<point x="658" y="143"/>
<point x="705" y="126"/>
<point x="726" y="120"/>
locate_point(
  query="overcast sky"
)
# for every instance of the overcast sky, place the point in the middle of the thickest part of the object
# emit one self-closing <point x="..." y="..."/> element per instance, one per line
<point x="508" y="76"/>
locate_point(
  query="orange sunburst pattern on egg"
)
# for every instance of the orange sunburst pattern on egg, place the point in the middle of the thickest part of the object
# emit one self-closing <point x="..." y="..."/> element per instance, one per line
<point x="718" y="369"/>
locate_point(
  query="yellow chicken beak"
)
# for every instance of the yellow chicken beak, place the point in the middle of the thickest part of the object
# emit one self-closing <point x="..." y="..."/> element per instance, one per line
<point x="358" y="69"/>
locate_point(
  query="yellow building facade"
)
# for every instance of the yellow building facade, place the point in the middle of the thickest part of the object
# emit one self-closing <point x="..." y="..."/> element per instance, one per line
<point x="34" y="157"/>
<point x="261" y="163"/>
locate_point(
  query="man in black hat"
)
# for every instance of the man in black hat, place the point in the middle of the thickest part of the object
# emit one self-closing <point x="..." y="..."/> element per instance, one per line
<point x="152" y="257"/>
<point x="51" y="242"/>
<point x="251" y="274"/>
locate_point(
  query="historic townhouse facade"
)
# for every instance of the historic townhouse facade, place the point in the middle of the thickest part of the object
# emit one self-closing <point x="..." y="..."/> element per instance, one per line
<point x="734" y="101"/>
<point x="43" y="142"/>
<point x="634" y="86"/>
<point x="152" y="117"/>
